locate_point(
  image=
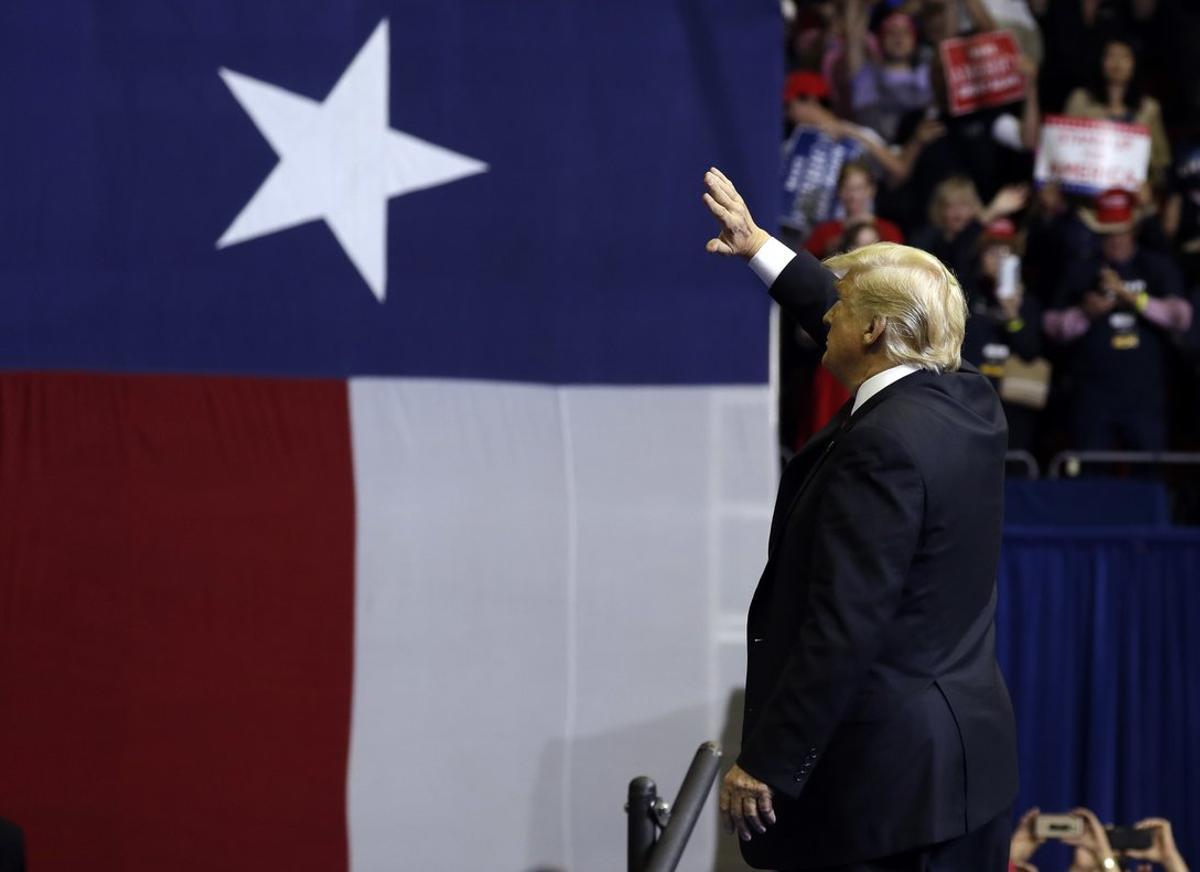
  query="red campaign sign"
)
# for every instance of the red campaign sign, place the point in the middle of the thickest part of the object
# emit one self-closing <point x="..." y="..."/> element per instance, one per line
<point x="982" y="71"/>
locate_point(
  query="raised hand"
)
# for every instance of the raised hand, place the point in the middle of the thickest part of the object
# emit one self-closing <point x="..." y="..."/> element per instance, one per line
<point x="1009" y="199"/>
<point x="738" y="235"/>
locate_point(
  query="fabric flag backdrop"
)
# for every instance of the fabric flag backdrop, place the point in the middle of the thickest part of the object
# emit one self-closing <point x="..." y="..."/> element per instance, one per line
<point x="385" y="467"/>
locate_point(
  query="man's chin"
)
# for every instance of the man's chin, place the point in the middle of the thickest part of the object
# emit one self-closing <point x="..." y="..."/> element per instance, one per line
<point x="830" y="369"/>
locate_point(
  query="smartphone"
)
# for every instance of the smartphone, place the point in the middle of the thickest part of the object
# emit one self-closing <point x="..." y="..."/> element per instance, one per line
<point x="1057" y="826"/>
<point x="1129" y="839"/>
<point x="1009" y="277"/>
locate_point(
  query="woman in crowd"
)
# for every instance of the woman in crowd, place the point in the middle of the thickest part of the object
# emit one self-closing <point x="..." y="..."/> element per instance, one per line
<point x="856" y="191"/>
<point x="886" y="84"/>
<point x="1116" y="95"/>
<point x="957" y="219"/>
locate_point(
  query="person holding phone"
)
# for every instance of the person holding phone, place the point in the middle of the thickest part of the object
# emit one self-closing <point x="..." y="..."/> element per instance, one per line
<point x="1097" y="848"/>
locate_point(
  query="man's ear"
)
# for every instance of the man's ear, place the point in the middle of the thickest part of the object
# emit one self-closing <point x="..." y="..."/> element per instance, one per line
<point x="874" y="330"/>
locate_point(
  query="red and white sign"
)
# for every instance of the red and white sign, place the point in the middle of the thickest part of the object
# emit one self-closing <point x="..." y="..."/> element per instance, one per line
<point x="982" y="71"/>
<point x="1089" y="156"/>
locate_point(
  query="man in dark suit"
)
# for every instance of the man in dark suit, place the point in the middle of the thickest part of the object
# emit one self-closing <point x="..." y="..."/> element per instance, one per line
<point x="878" y="732"/>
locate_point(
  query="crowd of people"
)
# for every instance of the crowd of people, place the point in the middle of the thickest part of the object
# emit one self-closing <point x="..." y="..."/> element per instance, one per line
<point x="1082" y="300"/>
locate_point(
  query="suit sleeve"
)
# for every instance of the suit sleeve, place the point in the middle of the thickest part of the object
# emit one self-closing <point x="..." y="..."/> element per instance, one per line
<point x="805" y="290"/>
<point x="868" y="525"/>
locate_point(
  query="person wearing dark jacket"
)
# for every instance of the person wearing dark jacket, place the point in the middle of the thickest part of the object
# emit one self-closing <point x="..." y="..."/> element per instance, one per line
<point x="877" y="730"/>
<point x="1114" y="314"/>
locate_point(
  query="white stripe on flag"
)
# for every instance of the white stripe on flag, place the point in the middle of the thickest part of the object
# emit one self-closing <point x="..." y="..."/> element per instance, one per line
<point x="543" y="575"/>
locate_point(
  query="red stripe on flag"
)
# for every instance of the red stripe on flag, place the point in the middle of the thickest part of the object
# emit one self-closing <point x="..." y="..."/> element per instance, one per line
<point x="176" y="621"/>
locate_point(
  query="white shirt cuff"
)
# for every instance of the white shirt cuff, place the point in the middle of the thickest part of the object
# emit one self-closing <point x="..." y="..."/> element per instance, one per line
<point x="771" y="260"/>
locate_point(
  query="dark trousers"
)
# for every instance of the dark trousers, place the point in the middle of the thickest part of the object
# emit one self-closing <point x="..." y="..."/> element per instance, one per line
<point x="982" y="850"/>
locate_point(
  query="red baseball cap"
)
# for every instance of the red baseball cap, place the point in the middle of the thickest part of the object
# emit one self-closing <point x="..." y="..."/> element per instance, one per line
<point x="805" y="83"/>
<point x="1113" y="211"/>
<point x="1000" y="229"/>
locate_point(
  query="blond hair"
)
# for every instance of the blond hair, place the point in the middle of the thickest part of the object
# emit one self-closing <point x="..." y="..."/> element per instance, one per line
<point x="948" y="189"/>
<point x="921" y="301"/>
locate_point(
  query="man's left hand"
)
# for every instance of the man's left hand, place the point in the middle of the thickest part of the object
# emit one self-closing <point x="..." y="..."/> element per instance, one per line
<point x="745" y="804"/>
<point x="739" y="235"/>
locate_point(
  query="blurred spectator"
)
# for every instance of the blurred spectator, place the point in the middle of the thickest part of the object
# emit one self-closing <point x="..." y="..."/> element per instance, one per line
<point x="1093" y="851"/>
<point x="856" y="191"/>
<point x="859" y="232"/>
<point x="1074" y="32"/>
<point x="1116" y="310"/>
<point x="816" y="42"/>
<point x="818" y="146"/>
<point x="1004" y="321"/>
<point x="1115" y="93"/>
<point x="812" y="36"/>
<point x="1181" y="216"/>
<point x="1016" y="17"/>
<point x="1049" y="225"/>
<point x="957" y="218"/>
<point x="884" y="84"/>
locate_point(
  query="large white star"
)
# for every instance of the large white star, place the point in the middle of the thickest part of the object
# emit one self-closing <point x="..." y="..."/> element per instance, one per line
<point x="339" y="160"/>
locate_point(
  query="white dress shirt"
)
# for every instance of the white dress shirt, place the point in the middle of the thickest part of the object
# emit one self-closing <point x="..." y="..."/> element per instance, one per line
<point x="879" y="381"/>
<point x="768" y="263"/>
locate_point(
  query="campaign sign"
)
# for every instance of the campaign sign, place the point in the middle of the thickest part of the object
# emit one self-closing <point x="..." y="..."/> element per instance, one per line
<point x="981" y="71"/>
<point x="812" y="161"/>
<point x="1087" y="156"/>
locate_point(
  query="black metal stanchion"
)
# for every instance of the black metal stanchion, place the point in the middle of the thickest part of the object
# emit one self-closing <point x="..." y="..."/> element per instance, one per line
<point x="642" y="830"/>
<point x="648" y="814"/>
<point x="688" y="805"/>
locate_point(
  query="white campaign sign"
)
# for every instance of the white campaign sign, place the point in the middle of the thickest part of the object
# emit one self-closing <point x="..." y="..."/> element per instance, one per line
<point x="1089" y="156"/>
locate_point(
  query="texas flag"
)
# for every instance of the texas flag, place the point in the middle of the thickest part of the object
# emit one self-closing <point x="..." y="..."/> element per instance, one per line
<point x="384" y="466"/>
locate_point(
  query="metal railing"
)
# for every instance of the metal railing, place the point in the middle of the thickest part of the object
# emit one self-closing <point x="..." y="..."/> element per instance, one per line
<point x="648" y="851"/>
<point x="1022" y="459"/>
<point x="1074" y="460"/>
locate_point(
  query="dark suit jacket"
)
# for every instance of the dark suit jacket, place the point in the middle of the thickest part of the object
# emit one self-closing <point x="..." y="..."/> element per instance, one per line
<point x="875" y="708"/>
